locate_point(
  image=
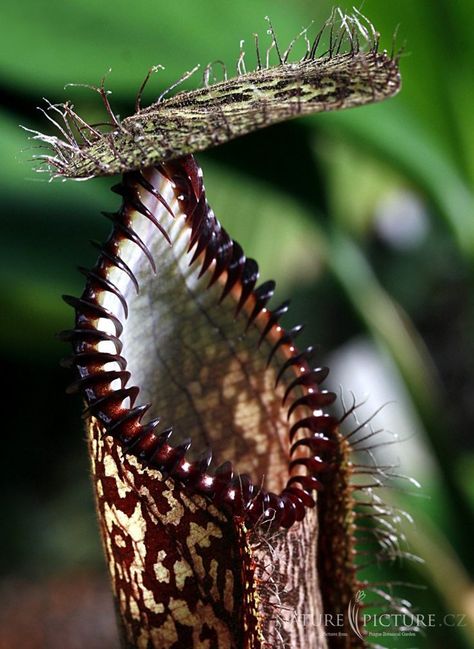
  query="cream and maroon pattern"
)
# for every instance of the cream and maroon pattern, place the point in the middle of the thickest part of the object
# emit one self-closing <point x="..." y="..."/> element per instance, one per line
<point x="173" y="559"/>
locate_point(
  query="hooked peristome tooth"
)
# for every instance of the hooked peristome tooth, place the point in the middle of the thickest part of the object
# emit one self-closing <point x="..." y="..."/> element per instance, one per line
<point x="224" y="472"/>
<point x="204" y="460"/>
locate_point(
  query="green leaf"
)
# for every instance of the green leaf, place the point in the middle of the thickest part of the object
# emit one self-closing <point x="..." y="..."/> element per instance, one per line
<point x="397" y="137"/>
<point x="47" y="44"/>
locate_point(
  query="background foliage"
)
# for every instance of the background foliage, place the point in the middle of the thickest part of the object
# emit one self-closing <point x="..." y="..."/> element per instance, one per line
<point x="364" y="217"/>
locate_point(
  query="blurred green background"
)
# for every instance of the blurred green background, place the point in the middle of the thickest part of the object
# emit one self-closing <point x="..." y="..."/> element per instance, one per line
<point x="365" y="218"/>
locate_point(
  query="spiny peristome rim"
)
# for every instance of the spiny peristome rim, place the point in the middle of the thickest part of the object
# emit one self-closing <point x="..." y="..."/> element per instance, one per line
<point x="350" y="72"/>
<point x="282" y="433"/>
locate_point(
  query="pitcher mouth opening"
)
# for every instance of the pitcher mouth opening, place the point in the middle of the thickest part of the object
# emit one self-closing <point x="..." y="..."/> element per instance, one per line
<point x="171" y="319"/>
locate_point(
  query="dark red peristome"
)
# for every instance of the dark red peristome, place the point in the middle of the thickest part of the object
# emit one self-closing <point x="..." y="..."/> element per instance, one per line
<point x="234" y="492"/>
